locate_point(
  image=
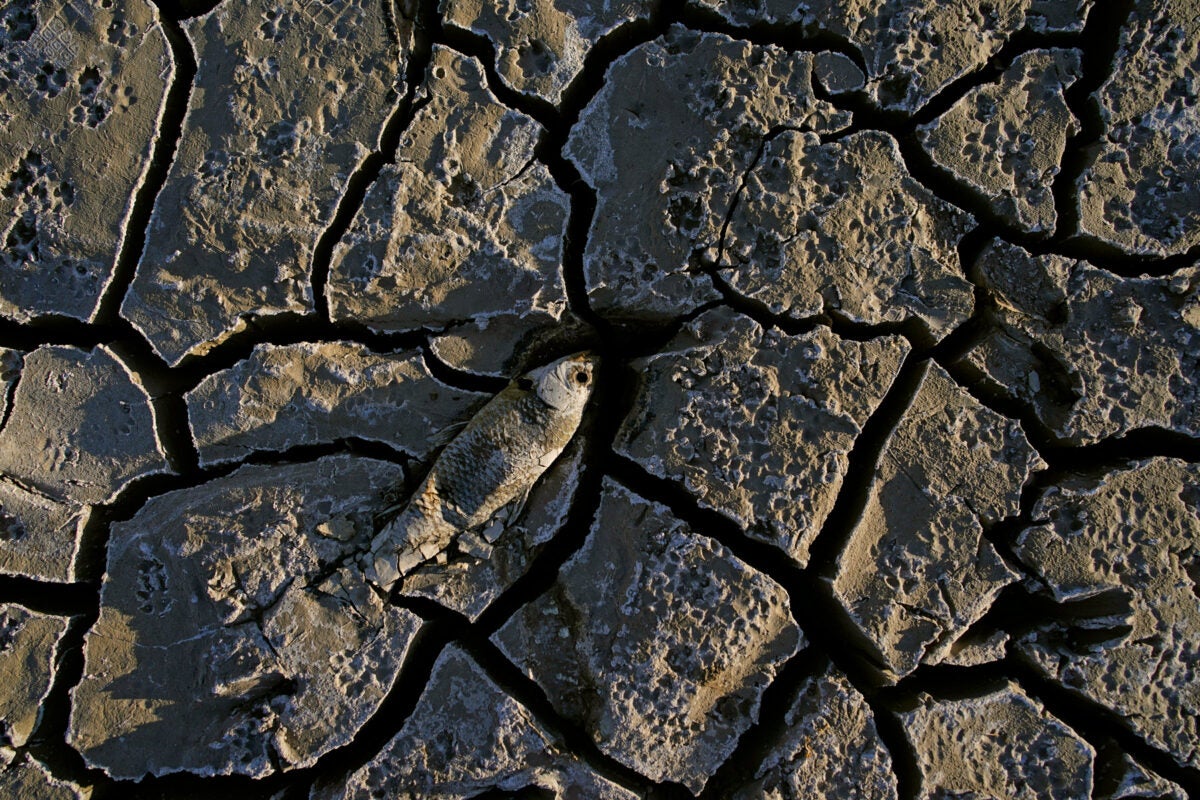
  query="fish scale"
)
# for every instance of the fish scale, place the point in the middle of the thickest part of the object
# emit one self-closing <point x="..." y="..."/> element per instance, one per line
<point x="493" y="462"/>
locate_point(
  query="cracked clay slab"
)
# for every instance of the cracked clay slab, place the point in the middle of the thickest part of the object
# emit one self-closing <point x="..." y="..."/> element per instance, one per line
<point x="28" y="641"/>
<point x="665" y="144"/>
<point x="843" y="227"/>
<point x="466" y="738"/>
<point x="831" y="748"/>
<point x="1006" y="139"/>
<point x="1119" y="777"/>
<point x="917" y="570"/>
<point x="1121" y="551"/>
<point x="541" y="44"/>
<point x="250" y="577"/>
<point x="80" y="429"/>
<point x="82" y="90"/>
<point x="283" y="396"/>
<point x="464" y="231"/>
<point x="656" y="640"/>
<point x="912" y="49"/>
<point x="1001" y="744"/>
<point x="1141" y="189"/>
<point x="755" y="424"/>
<point x="29" y="780"/>
<point x="1092" y="354"/>
<point x="288" y="101"/>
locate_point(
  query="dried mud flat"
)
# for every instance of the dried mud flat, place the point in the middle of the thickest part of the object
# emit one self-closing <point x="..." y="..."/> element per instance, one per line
<point x="889" y="486"/>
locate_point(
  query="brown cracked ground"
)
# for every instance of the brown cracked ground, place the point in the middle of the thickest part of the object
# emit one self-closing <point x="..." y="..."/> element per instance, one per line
<point x="888" y="488"/>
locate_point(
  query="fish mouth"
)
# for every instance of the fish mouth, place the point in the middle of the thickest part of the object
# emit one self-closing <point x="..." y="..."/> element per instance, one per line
<point x="582" y="367"/>
<point x="587" y="359"/>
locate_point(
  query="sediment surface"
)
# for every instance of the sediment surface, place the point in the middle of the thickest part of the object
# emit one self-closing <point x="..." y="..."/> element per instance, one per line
<point x="889" y="484"/>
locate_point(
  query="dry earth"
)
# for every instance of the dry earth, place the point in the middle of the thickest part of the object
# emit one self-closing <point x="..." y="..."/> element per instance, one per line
<point x="889" y="488"/>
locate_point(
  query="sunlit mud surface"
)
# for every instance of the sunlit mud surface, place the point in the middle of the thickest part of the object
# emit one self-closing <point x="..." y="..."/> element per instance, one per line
<point x="888" y="486"/>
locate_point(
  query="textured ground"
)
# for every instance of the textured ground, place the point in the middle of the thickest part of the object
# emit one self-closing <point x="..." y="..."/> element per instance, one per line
<point x="890" y="486"/>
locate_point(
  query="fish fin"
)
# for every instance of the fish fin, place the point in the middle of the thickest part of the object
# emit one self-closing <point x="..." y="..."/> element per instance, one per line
<point x="547" y="459"/>
<point x="443" y="436"/>
<point x="388" y="514"/>
<point x="516" y="507"/>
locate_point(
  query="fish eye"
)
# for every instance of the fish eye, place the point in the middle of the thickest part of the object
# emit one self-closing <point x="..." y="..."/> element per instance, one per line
<point x="525" y="384"/>
<point x="581" y="377"/>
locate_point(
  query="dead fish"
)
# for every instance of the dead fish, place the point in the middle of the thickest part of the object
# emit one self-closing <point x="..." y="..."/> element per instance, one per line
<point x="492" y="463"/>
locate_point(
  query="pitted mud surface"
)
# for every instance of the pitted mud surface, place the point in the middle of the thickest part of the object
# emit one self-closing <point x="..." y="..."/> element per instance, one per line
<point x="889" y="486"/>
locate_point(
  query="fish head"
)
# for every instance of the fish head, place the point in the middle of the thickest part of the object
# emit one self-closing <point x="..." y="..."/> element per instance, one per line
<point x="565" y="384"/>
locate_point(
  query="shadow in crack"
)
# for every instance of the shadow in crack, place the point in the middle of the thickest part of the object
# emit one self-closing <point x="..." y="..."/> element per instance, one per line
<point x="185" y="9"/>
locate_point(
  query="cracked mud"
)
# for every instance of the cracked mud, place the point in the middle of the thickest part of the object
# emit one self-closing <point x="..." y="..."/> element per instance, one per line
<point x="889" y="486"/>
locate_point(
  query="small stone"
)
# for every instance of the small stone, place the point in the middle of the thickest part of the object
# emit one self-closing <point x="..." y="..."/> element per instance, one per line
<point x="831" y="748"/>
<point x="472" y="545"/>
<point x="28" y="641"/>
<point x="837" y="73"/>
<point x="82" y="88"/>
<point x="296" y="650"/>
<point x="303" y="394"/>
<point x="464" y="231"/>
<point x="1141" y="191"/>
<point x="1001" y="744"/>
<point x="1006" y="139"/>
<point x="671" y="641"/>
<point x="844" y="227"/>
<point x="466" y="738"/>
<point x="288" y="101"/>
<point x="665" y="144"/>
<point x="79" y="429"/>
<point x="541" y="44"/>
<point x="912" y="50"/>
<point x="1092" y="354"/>
<point x="341" y="528"/>
<point x="29" y="780"/>
<point x="489" y="563"/>
<point x="1122" y="550"/>
<point x="755" y="424"/>
<point x="917" y="571"/>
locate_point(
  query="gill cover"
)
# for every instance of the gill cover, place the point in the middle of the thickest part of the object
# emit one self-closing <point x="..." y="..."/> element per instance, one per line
<point x="565" y="383"/>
